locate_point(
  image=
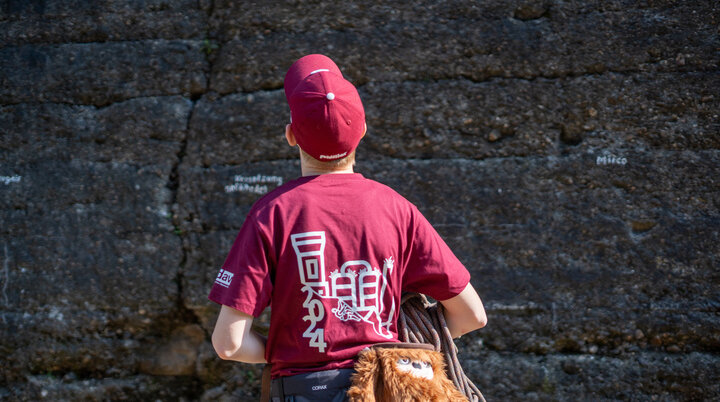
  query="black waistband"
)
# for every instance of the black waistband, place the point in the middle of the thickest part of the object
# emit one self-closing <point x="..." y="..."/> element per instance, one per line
<point x="318" y="385"/>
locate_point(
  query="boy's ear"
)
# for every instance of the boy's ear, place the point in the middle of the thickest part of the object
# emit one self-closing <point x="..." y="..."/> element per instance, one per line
<point x="290" y="136"/>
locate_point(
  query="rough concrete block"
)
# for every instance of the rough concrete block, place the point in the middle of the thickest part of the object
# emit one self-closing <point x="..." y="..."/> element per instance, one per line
<point x="101" y="73"/>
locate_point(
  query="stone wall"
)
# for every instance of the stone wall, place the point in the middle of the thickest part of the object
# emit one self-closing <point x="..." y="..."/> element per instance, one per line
<point x="568" y="151"/>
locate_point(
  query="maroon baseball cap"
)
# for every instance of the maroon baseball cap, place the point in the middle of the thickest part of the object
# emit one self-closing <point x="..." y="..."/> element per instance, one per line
<point x="326" y="113"/>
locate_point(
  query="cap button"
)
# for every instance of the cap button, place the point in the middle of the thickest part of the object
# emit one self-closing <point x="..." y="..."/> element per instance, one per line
<point x="330" y="96"/>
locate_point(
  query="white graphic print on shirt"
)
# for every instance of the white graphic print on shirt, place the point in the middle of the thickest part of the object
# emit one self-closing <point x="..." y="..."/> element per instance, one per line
<point x="358" y="288"/>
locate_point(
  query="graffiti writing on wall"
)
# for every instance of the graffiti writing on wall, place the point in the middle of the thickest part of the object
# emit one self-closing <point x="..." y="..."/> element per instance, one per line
<point x="10" y="179"/>
<point x="609" y="159"/>
<point x="258" y="184"/>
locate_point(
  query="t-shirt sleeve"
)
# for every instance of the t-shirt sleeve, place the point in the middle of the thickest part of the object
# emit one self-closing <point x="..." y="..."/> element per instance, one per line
<point x="432" y="268"/>
<point x="244" y="282"/>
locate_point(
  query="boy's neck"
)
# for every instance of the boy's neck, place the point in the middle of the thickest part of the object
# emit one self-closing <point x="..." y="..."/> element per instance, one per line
<point x="314" y="171"/>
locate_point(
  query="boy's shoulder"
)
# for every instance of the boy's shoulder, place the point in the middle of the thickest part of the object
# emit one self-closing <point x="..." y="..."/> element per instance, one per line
<point x="278" y="194"/>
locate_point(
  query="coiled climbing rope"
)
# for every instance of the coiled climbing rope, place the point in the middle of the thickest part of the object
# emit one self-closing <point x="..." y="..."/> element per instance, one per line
<point x="421" y="321"/>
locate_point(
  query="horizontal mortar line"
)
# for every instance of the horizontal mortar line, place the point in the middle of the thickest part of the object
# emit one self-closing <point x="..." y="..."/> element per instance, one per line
<point x="210" y="13"/>
<point x="446" y="160"/>
<point x="367" y="163"/>
<point x="416" y="80"/>
<point x="361" y="161"/>
<point x="243" y="164"/>
<point x="113" y="42"/>
<point x="220" y="95"/>
<point x="106" y="140"/>
<point x="569" y="75"/>
<point x="463" y="77"/>
<point x="594" y="356"/>
<point x="91" y="234"/>
<point x="586" y="153"/>
<point x="567" y="23"/>
<point x="549" y="309"/>
<point x="97" y="107"/>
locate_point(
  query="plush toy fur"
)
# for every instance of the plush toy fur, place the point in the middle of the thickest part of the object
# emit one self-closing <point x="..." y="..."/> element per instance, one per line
<point x="379" y="378"/>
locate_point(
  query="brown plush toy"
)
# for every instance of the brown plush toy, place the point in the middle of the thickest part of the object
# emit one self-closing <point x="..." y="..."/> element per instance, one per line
<point x="394" y="374"/>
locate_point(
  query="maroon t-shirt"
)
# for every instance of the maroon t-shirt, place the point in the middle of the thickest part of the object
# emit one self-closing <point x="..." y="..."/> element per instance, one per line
<point x="333" y="253"/>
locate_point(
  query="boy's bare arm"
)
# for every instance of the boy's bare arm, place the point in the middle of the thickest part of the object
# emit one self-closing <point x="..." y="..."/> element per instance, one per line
<point x="233" y="339"/>
<point x="465" y="312"/>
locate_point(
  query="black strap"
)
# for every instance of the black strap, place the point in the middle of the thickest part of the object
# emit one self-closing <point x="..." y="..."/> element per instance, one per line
<point x="275" y="389"/>
<point x="316" y="385"/>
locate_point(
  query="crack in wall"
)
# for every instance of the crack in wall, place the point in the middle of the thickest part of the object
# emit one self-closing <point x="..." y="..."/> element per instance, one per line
<point x="174" y="186"/>
<point x="6" y="280"/>
<point x="174" y="183"/>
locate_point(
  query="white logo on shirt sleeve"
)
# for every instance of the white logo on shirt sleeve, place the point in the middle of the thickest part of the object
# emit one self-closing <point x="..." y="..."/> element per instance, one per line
<point x="224" y="278"/>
